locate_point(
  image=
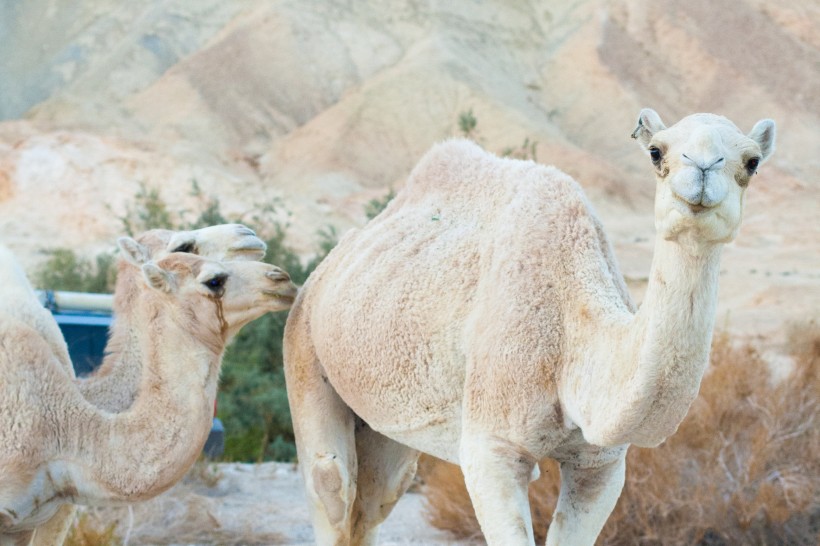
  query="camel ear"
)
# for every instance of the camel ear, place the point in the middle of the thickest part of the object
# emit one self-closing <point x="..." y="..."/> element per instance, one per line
<point x="764" y="134"/>
<point x="133" y="252"/>
<point x="649" y="123"/>
<point x="157" y="278"/>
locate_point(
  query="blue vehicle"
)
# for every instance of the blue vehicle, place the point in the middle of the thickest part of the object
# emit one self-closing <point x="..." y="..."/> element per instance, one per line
<point x="84" y="320"/>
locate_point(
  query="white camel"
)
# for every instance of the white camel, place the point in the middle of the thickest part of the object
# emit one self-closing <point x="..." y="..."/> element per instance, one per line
<point x="57" y="448"/>
<point x="482" y="318"/>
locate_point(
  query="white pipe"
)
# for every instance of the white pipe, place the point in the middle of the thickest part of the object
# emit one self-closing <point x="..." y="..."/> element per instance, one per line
<point x="79" y="301"/>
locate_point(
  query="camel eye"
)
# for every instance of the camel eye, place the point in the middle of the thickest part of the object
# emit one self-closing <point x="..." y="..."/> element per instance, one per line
<point x="655" y="154"/>
<point x="216" y="283"/>
<point x="751" y="165"/>
<point x="188" y="248"/>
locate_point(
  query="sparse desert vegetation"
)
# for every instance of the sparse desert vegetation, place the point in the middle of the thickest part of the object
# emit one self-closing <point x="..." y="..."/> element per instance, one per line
<point x="743" y="467"/>
<point x="90" y="531"/>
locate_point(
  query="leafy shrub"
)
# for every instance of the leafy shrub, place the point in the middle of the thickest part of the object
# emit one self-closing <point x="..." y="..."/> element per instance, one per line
<point x="527" y="150"/>
<point x="742" y="468"/>
<point x="375" y="206"/>
<point x="148" y="211"/>
<point x="467" y="123"/>
<point x="65" y="270"/>
<point x="252" y="396"/>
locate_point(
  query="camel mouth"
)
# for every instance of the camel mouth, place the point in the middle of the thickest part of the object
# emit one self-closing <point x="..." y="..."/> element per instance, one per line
<point x="695" y="209"/>
<point x="287" y="297"/>
<point x="251" y="247"/>
<point x="247" y="253"/>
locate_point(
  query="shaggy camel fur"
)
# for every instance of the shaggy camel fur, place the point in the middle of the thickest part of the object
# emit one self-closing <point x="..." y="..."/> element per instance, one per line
<point x="18" y="299"/>
<point x="57" y="448"/>
<point x="482" y="318"/>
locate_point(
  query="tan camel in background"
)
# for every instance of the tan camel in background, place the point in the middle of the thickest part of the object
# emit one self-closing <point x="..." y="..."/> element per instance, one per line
<point x="57" y="448"/>
<point x="114" y="385"/>
<point x="482" y="318"/>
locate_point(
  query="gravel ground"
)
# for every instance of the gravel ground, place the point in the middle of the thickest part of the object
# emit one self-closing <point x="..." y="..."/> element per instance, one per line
<point x="250" y="504"/>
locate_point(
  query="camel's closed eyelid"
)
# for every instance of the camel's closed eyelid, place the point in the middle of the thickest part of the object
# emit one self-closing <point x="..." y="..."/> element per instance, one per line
<point x="187" y="247"/>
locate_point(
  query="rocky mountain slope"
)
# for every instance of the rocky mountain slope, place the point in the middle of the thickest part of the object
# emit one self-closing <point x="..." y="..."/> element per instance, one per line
<point x="324" y="105"/>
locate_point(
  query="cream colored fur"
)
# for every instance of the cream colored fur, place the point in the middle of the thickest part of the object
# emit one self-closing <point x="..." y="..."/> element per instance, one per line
<point x="17" y="298"/>
<point x="482" y="318"/>
<point x="57" y="448"/>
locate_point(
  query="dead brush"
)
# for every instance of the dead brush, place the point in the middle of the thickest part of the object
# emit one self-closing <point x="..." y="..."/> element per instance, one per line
<point x="89" y="531"/>
<point x="743" y="468"/>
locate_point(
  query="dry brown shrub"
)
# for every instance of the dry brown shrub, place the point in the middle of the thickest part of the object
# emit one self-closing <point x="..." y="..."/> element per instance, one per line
<point x="743" y="468"/>
<point x="90" y="531"/>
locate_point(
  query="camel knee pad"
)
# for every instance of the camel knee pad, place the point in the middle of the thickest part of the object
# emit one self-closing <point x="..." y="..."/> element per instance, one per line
<point x="331" y="485"/>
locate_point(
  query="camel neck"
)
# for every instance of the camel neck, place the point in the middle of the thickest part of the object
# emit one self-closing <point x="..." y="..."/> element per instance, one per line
<point x="142" y="451"/>
<point x="670" y="337"/>
<point x="638" y="380"/>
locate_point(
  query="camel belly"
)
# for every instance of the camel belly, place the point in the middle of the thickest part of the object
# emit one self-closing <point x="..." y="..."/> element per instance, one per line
<point x="404" y="393"/>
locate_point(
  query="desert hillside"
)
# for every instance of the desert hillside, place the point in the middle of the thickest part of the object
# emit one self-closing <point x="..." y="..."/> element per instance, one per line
<point x="321" y="106"/>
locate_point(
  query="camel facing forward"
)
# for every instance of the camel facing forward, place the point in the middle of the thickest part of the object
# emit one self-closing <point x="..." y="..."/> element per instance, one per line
<point x="57" y="448"/>
<point x="482" y="318"/>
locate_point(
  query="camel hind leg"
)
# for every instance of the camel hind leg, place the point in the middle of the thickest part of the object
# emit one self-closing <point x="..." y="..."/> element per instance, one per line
<point x="325" y="442"/>
<point x="327" y="459"/>
<point x="385" y="470"/>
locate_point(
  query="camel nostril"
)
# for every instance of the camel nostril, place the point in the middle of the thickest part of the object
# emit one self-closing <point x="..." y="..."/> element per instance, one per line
<point x="277" y="275"/>
<point x="718" y="162"/>
<point x="703" y="165"/>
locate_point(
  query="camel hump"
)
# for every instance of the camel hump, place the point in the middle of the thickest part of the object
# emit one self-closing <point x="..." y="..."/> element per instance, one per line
<point x="449" y="166"/>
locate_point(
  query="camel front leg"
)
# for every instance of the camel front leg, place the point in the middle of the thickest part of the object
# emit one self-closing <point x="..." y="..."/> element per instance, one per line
<point x="497" y="474"/>
<point x="588" y="496"/>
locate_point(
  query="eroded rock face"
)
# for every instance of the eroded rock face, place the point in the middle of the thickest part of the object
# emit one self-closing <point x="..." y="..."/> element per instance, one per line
<point x="327" y="104"/>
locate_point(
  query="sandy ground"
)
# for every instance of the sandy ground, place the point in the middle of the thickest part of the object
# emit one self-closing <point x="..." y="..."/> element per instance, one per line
<point x="250" y="504"/>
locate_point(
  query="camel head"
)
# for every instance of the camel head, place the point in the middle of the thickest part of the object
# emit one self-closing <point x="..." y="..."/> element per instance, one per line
<point x="703" y="165"/>
<point x="223" y="295"/>
<point x="221" y="242"/>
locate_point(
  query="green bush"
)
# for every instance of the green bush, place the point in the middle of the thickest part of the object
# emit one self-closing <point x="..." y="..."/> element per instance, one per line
<point x="65" y="270"/>
<point x="375" y="206"/>
<point x="252" y="396"/>
<point x="148" y="211"/>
